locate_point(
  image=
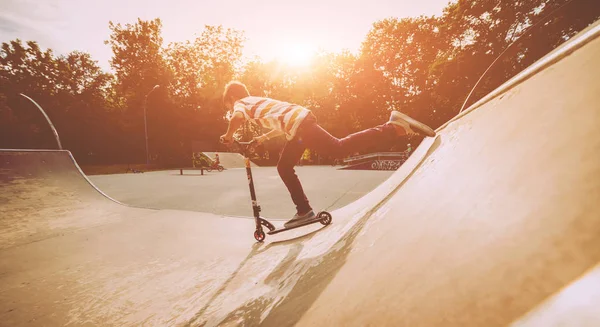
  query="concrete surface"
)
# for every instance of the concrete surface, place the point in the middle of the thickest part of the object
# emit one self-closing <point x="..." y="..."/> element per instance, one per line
<point x="227" y="193"/>
<point x="494" y="222"/>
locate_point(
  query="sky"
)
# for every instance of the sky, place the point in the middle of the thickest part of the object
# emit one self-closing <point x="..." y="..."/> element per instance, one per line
<point x="272" y="27"/>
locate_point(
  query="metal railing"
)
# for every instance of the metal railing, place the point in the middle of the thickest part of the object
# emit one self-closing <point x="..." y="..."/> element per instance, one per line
<point x="529" y="29"/>
<point x="376" y="155"/>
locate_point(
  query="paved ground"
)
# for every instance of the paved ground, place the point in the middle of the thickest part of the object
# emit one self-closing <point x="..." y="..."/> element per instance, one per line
<point x="227" y="193"/>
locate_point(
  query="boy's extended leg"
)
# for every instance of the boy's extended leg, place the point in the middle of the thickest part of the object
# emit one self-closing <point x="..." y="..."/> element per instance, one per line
<point x="317" y="138"/>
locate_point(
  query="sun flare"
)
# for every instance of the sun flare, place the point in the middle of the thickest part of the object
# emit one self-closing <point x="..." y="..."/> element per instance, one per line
<point x="296" y="54"/>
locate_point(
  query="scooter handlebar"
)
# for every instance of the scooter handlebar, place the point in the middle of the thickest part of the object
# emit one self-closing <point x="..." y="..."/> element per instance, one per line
<point x="244" y="143"/>
<point x="246" y="147"/>
<point x="238" y="142"/>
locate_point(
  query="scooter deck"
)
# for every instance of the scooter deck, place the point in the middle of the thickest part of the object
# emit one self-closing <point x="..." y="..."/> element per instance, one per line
<point x="308" y="222"/>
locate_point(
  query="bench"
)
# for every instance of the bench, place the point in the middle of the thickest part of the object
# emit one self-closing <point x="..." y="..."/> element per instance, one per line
<point x="201" y="169"/>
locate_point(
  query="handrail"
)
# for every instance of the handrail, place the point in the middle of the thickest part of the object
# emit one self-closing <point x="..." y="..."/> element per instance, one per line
<point x="557" y="54"/>
<point x="47" y="119"/>
<point x="375" y="154"/>
<point x="529" y="29"/>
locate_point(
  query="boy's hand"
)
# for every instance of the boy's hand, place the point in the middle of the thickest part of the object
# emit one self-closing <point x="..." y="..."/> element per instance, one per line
<point x="237" y="120"/>
<point x="226" y="139"/>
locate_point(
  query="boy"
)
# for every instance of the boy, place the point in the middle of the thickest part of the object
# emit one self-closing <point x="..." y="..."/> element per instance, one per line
<point x="301" y="130"/>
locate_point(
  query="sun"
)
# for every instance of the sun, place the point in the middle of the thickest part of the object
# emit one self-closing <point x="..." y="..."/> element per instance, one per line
<point x="296" y="54"/>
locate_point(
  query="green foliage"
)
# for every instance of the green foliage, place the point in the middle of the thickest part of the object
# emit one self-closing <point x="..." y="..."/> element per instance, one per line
<point x="424" y="66"/>
<point x="71" y="88"/>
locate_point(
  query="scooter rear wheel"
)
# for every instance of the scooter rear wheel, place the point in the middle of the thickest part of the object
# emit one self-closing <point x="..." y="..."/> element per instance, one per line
<point x="259" y="235"/>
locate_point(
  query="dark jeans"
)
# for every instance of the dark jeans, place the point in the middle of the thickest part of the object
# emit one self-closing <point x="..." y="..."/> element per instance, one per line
<point x="311" y="135"/>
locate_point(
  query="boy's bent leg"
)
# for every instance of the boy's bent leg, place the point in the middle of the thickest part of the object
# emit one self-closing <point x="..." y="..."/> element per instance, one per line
<point x="292" y="152"/>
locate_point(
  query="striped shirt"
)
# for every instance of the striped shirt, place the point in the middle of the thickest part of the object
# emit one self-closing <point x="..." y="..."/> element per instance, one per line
<point x="272" y="114"/>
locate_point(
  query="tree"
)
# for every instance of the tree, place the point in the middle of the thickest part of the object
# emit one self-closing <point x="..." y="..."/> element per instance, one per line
<point x="201" y="68"/>
<point x="81" y="92"/>
<point x="424" y="66"/>
<point x="71" y="89"/>
<point x="397" y="55"/>
<point x="25" y="68"/>
<point x="481" y="31"/>
<point x="139" y="64"/>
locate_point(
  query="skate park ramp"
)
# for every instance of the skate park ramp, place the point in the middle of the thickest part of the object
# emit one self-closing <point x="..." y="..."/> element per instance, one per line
<point x="229" y="160"/>
<point x="493" y="222"/>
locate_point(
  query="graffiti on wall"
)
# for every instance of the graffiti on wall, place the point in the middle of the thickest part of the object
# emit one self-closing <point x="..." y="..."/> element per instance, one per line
<point x="386" y="164"/>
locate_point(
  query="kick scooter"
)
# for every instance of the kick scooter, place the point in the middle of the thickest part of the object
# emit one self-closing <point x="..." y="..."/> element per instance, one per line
<point x="246" y="149"/>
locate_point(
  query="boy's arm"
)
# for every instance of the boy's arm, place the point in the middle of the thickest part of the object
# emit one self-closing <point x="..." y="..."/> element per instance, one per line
<point x="236" y="122"/>
<point x="269" y="135"/>
<point x="273" y="133"/>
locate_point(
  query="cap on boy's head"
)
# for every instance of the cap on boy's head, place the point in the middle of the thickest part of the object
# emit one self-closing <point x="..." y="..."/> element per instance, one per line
<point x="234" y="91"/>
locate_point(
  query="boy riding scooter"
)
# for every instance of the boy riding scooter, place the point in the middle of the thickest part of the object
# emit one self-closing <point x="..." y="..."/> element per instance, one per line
<point x="301" y="130"/>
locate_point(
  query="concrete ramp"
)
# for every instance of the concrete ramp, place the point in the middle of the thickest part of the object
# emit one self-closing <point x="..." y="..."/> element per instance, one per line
<point x="493" y="222"/>
<point x="44" y="194"/>
<point x="503" y="215"/>
<point x="66" y="249"/>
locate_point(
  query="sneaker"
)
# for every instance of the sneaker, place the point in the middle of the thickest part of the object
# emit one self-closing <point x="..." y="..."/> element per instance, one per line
<point x="408" y="123"/>
<point x="298" y="220"/>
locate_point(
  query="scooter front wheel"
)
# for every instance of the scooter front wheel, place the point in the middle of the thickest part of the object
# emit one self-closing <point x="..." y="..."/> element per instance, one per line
<point x="259" y="235"/>
<point x="325" y="218"/>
